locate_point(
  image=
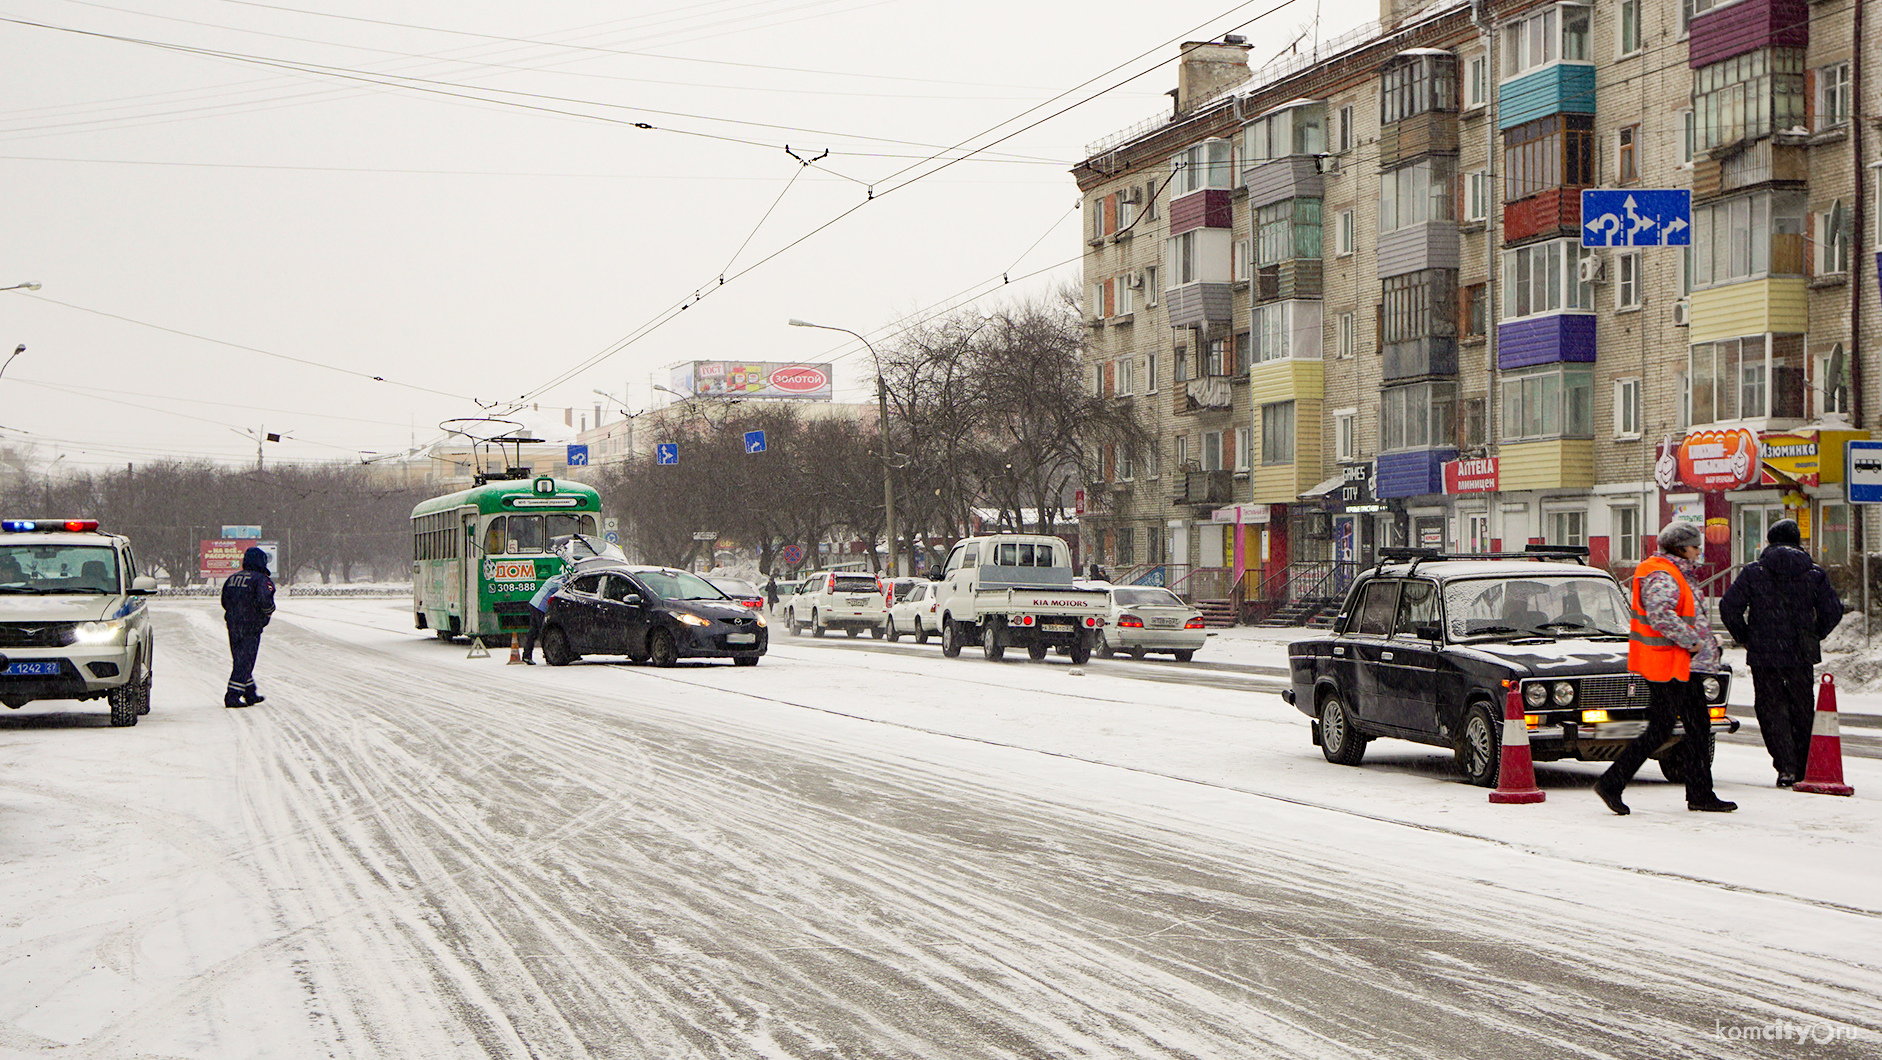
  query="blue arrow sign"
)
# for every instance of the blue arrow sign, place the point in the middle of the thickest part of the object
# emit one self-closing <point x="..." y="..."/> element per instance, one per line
<point x="578" y="456"/>
<point x="666" y="453"/>
<point x="1640" y="217"/>
<point x="754" y="441"/>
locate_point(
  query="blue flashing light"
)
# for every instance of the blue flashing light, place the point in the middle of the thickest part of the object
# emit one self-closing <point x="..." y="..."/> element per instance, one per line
<point x="15" y="526"/>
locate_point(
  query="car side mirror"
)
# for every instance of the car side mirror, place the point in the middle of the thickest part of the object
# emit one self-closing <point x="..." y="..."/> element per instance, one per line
<point x="937" y="576"/>
<point x="632" y="599"/>
<point x="143" y="585"/>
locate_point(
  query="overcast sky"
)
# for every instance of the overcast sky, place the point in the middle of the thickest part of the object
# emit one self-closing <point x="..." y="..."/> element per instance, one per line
<point x="243" y="212"/>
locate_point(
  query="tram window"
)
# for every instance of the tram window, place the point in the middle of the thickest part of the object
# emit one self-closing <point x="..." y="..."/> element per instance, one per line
<point x="564" y="525"/>
<point x="525" y="532"/>
<point x="494" y="541"/>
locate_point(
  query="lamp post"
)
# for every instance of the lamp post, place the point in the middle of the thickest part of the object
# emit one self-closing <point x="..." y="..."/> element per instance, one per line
<point x="17" y="350"/>
<point x="29" y="285"/>
<point x="882" y="422"/>
<point x="627" y="414"/>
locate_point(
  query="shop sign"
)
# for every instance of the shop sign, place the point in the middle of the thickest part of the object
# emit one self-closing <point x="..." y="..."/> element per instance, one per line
<point x="1713" y="461"/>
<point x="1355" y="492"/>
<point x="1241" y="513"/>
<point x="1477" y="475"/>
<point x="1790" y="458"/>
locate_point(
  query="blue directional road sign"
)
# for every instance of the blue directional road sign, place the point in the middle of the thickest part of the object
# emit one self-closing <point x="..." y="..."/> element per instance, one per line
<point x="666" y="453"/>
<point x="1864" y="480"/>
<point x="578" y="456"/>
<point x="754" y="441"/>
<point x="1636" y="217"/>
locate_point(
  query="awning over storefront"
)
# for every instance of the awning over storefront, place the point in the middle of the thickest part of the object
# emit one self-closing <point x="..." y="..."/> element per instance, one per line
<point x="1324" y="490"/>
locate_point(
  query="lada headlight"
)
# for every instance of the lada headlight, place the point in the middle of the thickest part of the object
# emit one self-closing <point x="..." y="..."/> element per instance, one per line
<point x="110" y="631"/>
<point x="1535" y="693"/>
<point x="1564" y="693"/>
<point x="1712" y="688"/>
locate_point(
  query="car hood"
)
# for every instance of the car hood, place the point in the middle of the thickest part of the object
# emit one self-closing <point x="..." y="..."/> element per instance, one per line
<point x="705" y="609"/>
<point x="1566" y="657"/>
<point x="86" y="608"/>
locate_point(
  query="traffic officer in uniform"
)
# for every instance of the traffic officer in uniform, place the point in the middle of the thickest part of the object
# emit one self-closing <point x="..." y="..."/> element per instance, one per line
<point x="1667" y="641"/>
<point x="247" y="604"/>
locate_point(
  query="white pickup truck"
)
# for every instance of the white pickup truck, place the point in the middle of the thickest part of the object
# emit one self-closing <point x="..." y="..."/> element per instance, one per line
<point x="1015" y="590"/>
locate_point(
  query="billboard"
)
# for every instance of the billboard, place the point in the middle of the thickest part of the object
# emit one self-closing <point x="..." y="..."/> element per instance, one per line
<point x="219" y="558"/>
<point x="754" y="379"/>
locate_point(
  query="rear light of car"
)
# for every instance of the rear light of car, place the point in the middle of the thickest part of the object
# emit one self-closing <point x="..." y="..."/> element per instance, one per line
<point x="1023" y="620"/>
<point x="754" y="604"/>
<point x="1093" y="621"/>
<point x="1194" y="623"/>
<point x="1129" y="622"/>
<point x="830" y="587"/>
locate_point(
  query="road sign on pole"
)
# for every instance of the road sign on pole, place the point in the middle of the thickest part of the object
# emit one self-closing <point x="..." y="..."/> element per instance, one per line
<point x="1864" y="480"/>
<point x="754" y="441"/>
<point x="578" y="456"/>
<point x="1637" y="217"/>
<point x="666" y="453"/>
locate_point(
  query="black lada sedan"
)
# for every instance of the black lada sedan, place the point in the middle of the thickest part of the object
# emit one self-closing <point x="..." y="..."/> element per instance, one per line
<point x="1427" y="647"/>
<point x="648" y="613"/>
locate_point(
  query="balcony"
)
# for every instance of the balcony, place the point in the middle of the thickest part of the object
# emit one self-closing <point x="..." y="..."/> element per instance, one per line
<point x="1295" y="278"/>
<point x="1431" y="245"/>
<point x="1207" y="208"/>
<point x="1209" y="392"/>
<point x="1553" y="213"/>
<point x="1735" y="29"/>
<point x="1207" y="487"/>
<point x="1432" y="355"/>
<point x="1747" y="165"/>
<point x="1200" y="305"/>
<point x="1563" y="88"/>
<point x="1411" y="472"/>
<point x="1430" y="133"/>
<point x="1552" y="338"/>
<point x="1280" y="179"/>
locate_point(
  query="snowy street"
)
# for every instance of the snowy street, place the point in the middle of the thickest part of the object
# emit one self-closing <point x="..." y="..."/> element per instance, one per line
<point x="858" y="849"/>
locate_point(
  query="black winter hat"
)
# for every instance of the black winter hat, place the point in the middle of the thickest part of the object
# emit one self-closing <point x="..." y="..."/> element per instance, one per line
<point x="1784" y="532"/>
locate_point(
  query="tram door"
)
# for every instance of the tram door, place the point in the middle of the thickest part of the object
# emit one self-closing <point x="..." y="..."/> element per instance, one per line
<point x="472" y="567"/>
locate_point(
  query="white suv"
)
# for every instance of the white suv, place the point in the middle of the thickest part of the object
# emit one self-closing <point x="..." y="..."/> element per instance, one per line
<point x="73" y="624"/>
<point x="846" y="600"/>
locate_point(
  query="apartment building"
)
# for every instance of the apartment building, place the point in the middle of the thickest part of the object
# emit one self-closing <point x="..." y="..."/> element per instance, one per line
<point x="1348" y="293"/>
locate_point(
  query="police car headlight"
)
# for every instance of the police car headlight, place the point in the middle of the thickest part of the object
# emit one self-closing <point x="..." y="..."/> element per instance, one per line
<point x="108" y="632"/>
<point x="1564" y="693"/>
<point x="1535" y="693"/>
<point x="1711" y="687"/>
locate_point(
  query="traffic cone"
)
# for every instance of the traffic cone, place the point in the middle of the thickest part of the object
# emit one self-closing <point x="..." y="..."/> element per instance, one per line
<point x="516" y="652"/>
<point x="1824" y="774"/>
<point x="1516" y="772"/>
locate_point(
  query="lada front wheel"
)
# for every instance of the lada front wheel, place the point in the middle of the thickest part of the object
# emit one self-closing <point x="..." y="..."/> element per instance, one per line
<point x="1480" y="746"/>
<point x="1674" y="761"/>
<point x="1339" y="741"/>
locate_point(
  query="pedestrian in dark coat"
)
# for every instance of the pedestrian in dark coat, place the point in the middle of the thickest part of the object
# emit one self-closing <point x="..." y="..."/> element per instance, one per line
<point x="771" y="591"/>
<point x="247" y="604"/>
<point x="1780" y="608"/>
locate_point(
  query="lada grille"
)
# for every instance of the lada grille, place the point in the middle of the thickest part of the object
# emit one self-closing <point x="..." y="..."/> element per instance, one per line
<point x="1612" y="693"/>
<point x="36" y="634"/>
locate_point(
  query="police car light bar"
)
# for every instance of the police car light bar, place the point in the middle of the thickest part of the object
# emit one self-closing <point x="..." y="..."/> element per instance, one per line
<point x="20" y="526"/>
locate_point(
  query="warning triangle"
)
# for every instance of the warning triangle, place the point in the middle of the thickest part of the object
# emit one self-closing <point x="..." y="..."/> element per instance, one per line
<point x="478" y="651"/>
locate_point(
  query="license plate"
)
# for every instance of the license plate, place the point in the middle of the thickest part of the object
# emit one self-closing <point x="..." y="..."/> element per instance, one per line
<point x="857" y="601"/>
<point x="1163" y="623"/>
<point x="32" y="669"/>
<point x="741" y="638"/>
<point x="1055" y="627"/>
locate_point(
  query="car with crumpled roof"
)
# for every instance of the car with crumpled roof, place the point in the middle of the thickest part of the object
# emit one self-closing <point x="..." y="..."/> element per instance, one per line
<point x="1427" y="646"/>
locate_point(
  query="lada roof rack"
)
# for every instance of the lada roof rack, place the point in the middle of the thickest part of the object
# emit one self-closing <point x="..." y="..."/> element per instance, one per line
<point x="1415" y="556"/>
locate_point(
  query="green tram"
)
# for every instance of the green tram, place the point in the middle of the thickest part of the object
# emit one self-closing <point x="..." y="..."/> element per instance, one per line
<point x="478" y="555"/>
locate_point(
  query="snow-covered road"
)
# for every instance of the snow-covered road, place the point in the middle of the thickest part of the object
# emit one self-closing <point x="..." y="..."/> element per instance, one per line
<point x="864" y="850"/>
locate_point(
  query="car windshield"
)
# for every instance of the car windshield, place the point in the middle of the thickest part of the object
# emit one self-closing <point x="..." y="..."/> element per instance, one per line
<point x="734" y="587"/>
<point x="678" y="585"/>
<point x="1559" y="606"/>
<point x="1146" y="598"/>
<point x="47" y="569"/>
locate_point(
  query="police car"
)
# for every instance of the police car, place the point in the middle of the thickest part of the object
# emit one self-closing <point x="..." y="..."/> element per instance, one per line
<point x="73" y="620"/>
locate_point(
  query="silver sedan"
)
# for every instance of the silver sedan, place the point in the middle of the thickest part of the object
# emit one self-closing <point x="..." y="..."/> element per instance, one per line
<point x="1146" y="619"/>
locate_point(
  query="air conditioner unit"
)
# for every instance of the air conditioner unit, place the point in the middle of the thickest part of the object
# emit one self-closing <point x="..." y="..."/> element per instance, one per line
<point x="1329" y="163"/>
<point x="1682" y="314"/>
<point x="1135" y="281"/>
<point x="1591" y="269"/>
<point x="1134" y="196"/>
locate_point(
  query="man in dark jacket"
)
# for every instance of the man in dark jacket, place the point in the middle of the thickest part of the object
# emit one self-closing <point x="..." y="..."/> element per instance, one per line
<point x="1779" y="608"/>
<point x="247" y="604"/>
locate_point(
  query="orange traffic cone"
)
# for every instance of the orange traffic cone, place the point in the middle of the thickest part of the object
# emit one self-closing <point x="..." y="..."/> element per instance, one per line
<point x="1824" y="774"/>
<point x="516" y="652"/>
<point x="1516" y="772"/>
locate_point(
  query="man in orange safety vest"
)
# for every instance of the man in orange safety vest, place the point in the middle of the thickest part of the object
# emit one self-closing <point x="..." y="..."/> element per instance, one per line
<point x="1668" y="640"/>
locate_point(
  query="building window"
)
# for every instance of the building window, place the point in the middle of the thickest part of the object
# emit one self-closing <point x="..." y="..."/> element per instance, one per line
<point x="1832" y="382"/>
<point x="1552" y="402"/>
<point x="1150" y="373"/>
<point x="1244" y="261"/>
<point x="1476" y="311"/>
<point x="1150" y="201"/>
<point x="1179" y="361"/>
<point x="1544" y="278"/>
<point x="1150" y="285"/>
<point x="1477" y="195"/>
<point x="1415" y="194"/>
<point x="1418" y="305"/>
<point x="1295" y="130"/>
<point x="1244" y="449"/>
<point x="1212" y="450"/>
<point x="1755" y="377"/>
<point x="1349" y="136"/>
<point x="1180" y="257"/>
<point x="1476" y="81"/>
<point x="1204" y="165"/>
<point x="1287" y="230"/>
<point x="1126" y="556"/>
<point x="1283" y="330"/>
<point x="1568" y="528"/>
<point x="1124" y="376"/>
<point x="1624" y="534"/>
<point x="1414" y="84"/>
<point x="1217" y="360"/>
<point x="1346" y="435"/>
<point x="1551" y="35"/>
<point x="1474" y="428"/>
<point x="1627" y="408"/>
<point x="1627" y="155"/>
<point x="1832" y="240"/>
<point x="1749" y="96"/>
<point x="1417" y="416"/>
<point x="1833" y="96"/>
<point x="1627" y="289"/>
<point x="1343" y="234"/>
<point x="1182" y="452"/>
<point x="1761" y="234"/>
<point x="1688" y="136"/>
<point x="1277" y="433"/>
<point x="1630" y="27"/>
<point x="1547" y="154"/>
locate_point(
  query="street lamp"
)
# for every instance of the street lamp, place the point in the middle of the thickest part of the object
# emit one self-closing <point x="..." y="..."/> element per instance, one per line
<point x="882" y="422"/>
<point x="29" y="285"/>
<point x="17" y="350"/>
<point x="627" y="414"/>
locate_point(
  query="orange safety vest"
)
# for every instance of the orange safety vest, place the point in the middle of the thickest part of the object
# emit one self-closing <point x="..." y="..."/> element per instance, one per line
<point x="1650" y="654"/>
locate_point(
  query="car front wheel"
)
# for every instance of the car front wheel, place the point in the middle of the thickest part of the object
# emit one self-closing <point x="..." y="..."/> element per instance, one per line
<point x="1342" y="745"/>
<point x="1480" y="746"/>
<point x="660" y="648"/>
<point x="950" y="638"/>
<point x="1673" y="761"/>
<point x="555" y="647"/>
